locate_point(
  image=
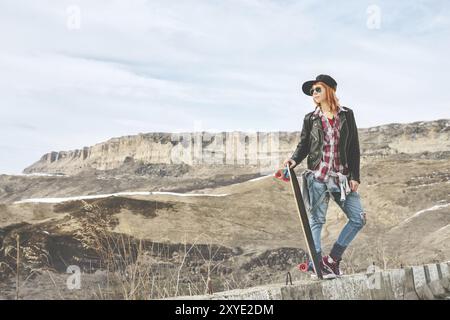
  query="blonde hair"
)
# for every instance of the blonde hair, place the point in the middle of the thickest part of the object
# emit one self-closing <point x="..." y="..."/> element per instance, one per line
<point x="330" y="96"/>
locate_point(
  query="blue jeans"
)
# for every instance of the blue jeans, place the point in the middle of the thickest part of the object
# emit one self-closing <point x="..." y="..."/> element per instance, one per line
<point x="351" y="206"/>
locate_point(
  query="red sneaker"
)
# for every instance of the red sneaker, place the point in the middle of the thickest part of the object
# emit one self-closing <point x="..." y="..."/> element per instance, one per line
<point x="332" y="265"/>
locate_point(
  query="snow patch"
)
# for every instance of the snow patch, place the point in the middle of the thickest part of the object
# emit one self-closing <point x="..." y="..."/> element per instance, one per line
<point x="260" y="178"/>
<point x="40" y="174"/>
<point x="99" y="196"/>
<point x="418" y="213"/>
<point x="442" y="229"/>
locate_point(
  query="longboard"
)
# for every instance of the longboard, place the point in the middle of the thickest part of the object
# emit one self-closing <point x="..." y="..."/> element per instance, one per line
<point x="306" y="228"/>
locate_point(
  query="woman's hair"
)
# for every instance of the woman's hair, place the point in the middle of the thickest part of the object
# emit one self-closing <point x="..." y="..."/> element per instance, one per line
<point x="330" y="96"/>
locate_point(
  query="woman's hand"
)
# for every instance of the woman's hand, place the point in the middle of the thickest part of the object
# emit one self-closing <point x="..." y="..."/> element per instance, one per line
<point x="291" y="162"/>
<point x="354" y="185"/>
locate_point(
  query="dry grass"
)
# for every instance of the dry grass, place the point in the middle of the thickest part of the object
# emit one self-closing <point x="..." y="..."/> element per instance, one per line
<point x="136" y="271"/>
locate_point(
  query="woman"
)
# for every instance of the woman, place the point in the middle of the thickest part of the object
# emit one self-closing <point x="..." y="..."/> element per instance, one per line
<point x="329" y="140"/>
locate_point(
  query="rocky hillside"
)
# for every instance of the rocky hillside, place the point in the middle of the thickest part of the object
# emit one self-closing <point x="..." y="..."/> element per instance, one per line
<point x="200" y="148"/>
<point x="226" y="222"/>
<point x="240" y="235"/>
<point x="411" y="138"/>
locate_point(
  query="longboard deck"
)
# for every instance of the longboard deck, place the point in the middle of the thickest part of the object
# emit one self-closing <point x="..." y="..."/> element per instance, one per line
<point x="306" y="228"/>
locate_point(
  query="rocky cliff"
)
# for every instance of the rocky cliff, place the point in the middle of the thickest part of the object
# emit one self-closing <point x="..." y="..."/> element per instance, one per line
<point x="244" y="148"/>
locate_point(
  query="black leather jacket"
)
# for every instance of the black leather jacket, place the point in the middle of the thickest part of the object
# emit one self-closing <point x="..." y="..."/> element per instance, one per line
<point x="311" y="142"/>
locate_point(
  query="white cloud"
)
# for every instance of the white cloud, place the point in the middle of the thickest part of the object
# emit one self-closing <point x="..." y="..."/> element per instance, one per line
<point x="142" y="66"/>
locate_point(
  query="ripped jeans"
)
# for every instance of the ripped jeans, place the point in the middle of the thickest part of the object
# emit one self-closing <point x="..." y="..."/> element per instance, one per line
<point x="351" y="206"/>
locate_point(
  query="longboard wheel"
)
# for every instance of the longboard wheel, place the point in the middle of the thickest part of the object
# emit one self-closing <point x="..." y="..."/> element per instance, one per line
<point x="303" y="267"/>
<point x="278" y="174"/>
<point x="306" y="267"/>
<point x="282" y="174"/>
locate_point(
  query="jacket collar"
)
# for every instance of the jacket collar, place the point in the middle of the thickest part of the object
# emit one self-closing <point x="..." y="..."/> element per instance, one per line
<point x="318" y="112"/>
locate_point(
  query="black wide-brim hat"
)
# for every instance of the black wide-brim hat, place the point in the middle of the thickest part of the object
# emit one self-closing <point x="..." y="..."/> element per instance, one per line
<point x="306" y="87"/>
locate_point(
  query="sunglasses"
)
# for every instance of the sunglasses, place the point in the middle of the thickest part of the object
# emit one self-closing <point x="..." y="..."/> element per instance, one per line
<point x="316" y="89"/>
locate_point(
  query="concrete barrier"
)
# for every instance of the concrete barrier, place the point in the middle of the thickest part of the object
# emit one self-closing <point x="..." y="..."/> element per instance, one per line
<point x="431" y="281"/>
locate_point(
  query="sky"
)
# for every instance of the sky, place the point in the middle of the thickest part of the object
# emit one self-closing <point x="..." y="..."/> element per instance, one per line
<point x="76" y="73"/>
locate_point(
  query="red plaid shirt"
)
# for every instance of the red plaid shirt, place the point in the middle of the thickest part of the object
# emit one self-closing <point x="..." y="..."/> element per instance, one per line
<point x="330" y="155"/>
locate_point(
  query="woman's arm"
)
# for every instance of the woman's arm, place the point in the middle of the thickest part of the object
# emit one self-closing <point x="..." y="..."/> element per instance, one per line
<point x="302" y="149"/>
<point x="353" y="158"/>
